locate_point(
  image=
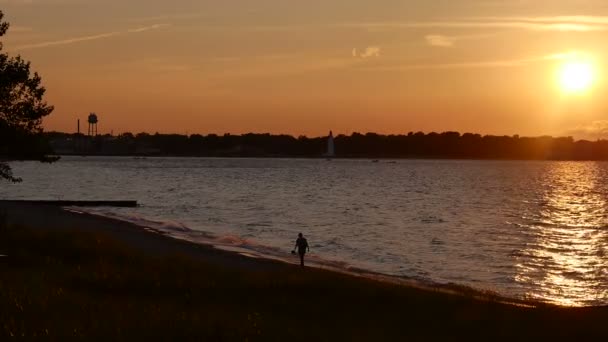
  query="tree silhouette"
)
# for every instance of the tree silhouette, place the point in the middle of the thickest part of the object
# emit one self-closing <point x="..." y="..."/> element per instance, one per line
<point x="21" y="111"/>
<point x="445" y="145"/>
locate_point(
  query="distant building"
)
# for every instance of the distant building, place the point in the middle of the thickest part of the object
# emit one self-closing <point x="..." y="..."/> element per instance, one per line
<point x="331" y="152"/>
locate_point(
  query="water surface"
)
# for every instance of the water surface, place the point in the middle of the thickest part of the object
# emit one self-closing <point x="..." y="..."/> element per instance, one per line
<point x="524" y="229"/>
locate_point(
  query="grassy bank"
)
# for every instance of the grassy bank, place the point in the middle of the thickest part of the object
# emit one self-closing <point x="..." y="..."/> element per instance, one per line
<point x="61" y="283"/>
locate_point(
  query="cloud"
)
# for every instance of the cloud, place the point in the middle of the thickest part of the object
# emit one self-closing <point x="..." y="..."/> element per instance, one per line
<point x="17" y="2"/>
<point x="482" y="23"/>
<point x="168" y="17"/>
<point x="74" y="40"/>
<point x="570" y="55"/>
<point x="463" y="65"/>
<point x="147" y="28"/>
<point x="592" y="131"/>
<point x="370" y="51"/>
<point x="504" y="63"/>
<point x="42" y="2"/>
<point x="65" y="41"/>
<point x="439" y="40"/>
<point x="572" y="19"/>
<point x="554" y="23"/>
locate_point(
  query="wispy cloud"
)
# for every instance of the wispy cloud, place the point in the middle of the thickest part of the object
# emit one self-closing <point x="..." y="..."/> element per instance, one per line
<point x="168" y="17"/>
<point x="483" y="24"/>
<point x="147" y="28"/>
<point x="16" y="2"/>
<point x="554" y="23"/>
<point x="66" y="41"/>
<point x="439" y="40"/>
<point x="475" y="23"/>
<point x="463" y="65"/>
<point x="74" y="40"/>
<point x="370" y="51"/>
<point x="502" y="63"/>
<point x="593" y="130"/>
<point x="573" y="19"/>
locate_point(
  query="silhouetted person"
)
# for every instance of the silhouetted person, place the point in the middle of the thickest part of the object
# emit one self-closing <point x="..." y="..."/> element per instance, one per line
<point x="302" y="247"/>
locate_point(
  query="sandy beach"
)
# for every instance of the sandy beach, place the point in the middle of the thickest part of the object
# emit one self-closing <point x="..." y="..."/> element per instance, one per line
<point x="77" y="275"/>
<point x="49" y="218"/>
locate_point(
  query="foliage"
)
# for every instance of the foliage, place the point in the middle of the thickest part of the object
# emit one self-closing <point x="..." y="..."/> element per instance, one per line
<point x="22" y="109"/>
<point x="451" y="145"/>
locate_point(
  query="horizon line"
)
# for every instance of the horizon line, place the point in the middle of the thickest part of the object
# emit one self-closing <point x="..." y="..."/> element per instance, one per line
<point x="296" y="136"/>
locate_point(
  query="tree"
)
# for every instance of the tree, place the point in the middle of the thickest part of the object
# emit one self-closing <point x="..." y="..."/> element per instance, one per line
<point x="21" y="111"/>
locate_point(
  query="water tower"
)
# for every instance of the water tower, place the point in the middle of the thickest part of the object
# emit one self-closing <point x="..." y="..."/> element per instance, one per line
<point x="92" y="124"/>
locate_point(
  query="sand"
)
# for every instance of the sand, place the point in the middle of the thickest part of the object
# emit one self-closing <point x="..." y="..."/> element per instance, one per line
<point x="46" y="217"/>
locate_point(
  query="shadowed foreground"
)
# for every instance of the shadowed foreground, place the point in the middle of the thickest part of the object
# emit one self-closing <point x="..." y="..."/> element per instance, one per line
<point x="65" y="282"/>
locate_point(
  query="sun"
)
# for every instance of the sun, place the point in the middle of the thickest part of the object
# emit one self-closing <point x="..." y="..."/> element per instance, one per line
<point x="576" y="76"/>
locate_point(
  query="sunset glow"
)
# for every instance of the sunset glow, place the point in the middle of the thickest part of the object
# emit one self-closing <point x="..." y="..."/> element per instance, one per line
<point x="389" y="67"/>
<point x="576" y="76"/>
<point x="185" y="168"/>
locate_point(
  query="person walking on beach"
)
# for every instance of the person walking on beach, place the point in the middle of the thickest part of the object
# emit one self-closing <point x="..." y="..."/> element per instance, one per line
<point x="302" y="247"/>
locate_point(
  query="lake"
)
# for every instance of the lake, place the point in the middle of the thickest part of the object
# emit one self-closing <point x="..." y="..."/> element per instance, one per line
<point x="520" y="228"/>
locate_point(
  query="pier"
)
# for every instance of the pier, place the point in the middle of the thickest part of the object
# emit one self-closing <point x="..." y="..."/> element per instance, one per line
<point x="61" y="203"/>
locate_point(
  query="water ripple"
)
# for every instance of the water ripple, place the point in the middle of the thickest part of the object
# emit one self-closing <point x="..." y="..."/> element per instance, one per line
<point x="526" y="229"/>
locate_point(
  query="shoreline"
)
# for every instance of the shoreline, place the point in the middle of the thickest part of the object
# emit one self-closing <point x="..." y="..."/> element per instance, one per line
<point x="326" y="265"/>
<point x="158" y="242"/>
<point x="79" y="275"/>
<point x="339" y="158"/>
<point x="154" y="242"/>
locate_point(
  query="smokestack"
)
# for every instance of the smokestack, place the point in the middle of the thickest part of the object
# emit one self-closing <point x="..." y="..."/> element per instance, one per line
<point x="78" y="126"/>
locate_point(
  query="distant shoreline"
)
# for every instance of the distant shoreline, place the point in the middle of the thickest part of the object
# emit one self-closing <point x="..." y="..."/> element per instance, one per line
<point x="446" y="145"/>
<point x="369" y="158"/>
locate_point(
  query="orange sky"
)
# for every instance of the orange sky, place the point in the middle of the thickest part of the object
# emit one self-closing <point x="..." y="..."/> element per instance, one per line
<point x="388" y="66"/>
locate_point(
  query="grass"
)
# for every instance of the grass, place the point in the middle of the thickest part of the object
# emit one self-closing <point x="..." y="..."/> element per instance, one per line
<point x="64" y="284"/>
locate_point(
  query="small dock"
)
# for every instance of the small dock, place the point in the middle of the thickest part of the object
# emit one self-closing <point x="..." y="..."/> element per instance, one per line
<point x="59" y="203"/>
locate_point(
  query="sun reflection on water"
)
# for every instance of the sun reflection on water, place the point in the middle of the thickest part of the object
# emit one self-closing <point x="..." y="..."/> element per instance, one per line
<point x="564" y="262"/>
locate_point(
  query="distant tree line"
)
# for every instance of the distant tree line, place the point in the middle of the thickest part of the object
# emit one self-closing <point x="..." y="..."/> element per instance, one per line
<point x="370" y="145"/>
